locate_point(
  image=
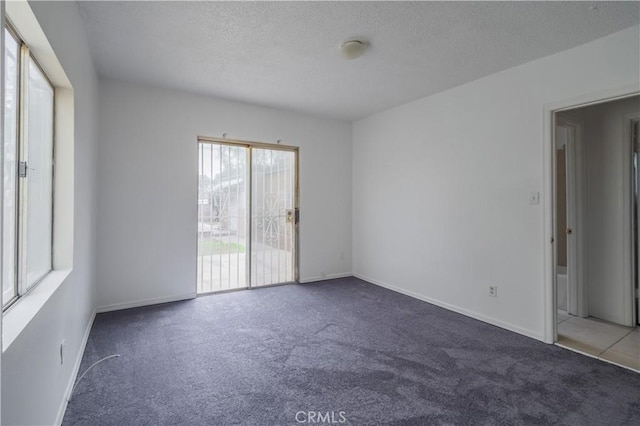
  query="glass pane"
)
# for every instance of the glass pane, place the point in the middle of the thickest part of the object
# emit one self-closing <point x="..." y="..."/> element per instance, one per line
<point x="10" y="152"/>
<point x="222" y="217"/>
<point x="272" y="217"/>
<point x="39" y="146"/>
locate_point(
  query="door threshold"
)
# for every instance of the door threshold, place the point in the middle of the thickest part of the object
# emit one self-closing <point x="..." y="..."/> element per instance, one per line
<point x="233" y="290"/>
<point x="229" y="290"/>
<point x="568" y="347"/>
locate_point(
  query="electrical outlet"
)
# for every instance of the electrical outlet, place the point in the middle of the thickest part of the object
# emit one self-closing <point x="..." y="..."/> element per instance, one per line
<point x="62" y="352"/>
<point x="493" y="290"/>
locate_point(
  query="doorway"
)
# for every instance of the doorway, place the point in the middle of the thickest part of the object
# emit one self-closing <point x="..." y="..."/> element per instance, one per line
<point x="569" y="216"/>
<point x="247" y="215"/>
<point x="595" y="258"/>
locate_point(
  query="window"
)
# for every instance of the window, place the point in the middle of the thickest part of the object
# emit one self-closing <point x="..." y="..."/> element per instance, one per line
<point x="28" y="171"/>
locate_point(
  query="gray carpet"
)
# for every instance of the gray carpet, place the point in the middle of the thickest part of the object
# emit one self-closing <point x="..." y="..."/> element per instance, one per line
<point x="346" y="348"/>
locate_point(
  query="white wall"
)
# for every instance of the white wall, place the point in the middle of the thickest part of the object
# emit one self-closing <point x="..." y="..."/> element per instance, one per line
<point x="607" y="150"/>
<point x="441" y="185"/>
<point x="148" y="178"/>
<point x="33" y="380"/>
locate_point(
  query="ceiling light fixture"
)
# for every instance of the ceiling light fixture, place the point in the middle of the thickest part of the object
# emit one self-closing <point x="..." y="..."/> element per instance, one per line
<point x="353" y="49"/>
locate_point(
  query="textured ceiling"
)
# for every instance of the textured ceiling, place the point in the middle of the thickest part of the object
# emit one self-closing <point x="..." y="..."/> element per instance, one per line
<point x="285" y="54"/>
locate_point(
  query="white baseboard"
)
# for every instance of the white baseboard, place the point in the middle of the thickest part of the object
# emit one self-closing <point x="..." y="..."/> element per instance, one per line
<point x="325" y="277"/>
<point x="75" y="370"/>
<point x="147" y="302"/>
<point x="465" y="312"/>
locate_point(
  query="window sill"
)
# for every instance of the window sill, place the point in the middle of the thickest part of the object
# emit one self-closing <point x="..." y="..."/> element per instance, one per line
<point x="16" y="319"/>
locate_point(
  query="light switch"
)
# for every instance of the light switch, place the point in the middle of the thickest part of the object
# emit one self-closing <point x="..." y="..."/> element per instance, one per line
<point x="534" y="198"/>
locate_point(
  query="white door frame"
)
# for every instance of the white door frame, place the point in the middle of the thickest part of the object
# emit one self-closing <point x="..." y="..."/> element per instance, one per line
<point x="630" y="308"/>
<point x="548" y="204"/>
<point x="636" y="217"/>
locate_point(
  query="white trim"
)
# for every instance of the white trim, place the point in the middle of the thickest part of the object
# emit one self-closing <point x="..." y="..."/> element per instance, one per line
<point x="457" y="309"/>
<point x="628" y="222"/>
<point x="75" y="371"/>
<point x="594" y="98"/>
<point x="63" y="182"/>
<point x="548" y="226"/>
<point x="146" y="302"/>
<point x="24" y="20"/>
<point x="548" y="302"/>
<point x="325" y="277"/>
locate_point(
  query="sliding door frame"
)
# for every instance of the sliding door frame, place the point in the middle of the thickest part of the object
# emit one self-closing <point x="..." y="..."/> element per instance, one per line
<point x="250" y="145"/>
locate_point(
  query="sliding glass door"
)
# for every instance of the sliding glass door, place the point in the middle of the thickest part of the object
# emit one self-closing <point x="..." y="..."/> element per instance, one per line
<point x="273" y="217"/>
<point x="222" y="218"/>
<point x="247" y="216"/>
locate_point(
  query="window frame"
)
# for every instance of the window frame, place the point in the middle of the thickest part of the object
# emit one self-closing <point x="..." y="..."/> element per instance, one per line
<point x="20" y="284"/>
<point x="11" y="32"/>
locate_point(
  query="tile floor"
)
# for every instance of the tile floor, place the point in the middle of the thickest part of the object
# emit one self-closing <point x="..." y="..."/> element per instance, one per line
<point x="601" y="339"/>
